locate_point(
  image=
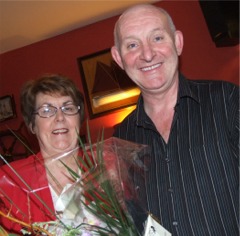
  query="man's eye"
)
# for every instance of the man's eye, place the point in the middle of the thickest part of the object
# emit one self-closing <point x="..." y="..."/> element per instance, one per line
<point x="132" y="45"/>
<point x="158" y="38"/>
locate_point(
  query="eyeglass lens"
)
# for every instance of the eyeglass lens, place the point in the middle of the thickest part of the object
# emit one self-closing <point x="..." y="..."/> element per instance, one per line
<point x="48" y="111"/>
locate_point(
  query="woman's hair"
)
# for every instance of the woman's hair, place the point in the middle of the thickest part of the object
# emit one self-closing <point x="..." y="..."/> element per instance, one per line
<point x="52" y="84"/>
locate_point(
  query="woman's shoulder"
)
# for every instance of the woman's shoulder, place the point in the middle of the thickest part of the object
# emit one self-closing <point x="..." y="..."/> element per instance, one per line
<point x="19" y="165"/>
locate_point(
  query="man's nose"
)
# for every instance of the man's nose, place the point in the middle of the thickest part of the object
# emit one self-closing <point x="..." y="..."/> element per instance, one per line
<point x="148" y="52"/>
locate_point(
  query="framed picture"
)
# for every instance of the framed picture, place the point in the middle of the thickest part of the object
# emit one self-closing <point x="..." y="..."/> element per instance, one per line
<point x="7" y="108"/>
<point x="106" y="86"/>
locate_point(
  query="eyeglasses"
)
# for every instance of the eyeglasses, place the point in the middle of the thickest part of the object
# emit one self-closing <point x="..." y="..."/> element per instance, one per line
<point x="46" y="111"/>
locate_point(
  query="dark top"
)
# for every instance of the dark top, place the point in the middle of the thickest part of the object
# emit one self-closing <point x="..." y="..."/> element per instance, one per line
<point x="192" y="182"/>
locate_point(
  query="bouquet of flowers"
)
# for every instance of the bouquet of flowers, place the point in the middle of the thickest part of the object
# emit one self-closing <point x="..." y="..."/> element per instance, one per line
<point x="91" y="189"/>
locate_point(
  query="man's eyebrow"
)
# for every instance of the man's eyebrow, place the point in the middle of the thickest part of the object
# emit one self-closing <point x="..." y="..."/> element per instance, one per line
<point x="152" y="31"/>
<point x="158" y="29"/>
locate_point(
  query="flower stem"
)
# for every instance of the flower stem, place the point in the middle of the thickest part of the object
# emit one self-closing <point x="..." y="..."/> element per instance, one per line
<point x="32" y="227"/>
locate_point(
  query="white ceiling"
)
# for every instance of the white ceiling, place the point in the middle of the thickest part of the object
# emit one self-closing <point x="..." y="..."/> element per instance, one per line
<point x="26" y="22"/>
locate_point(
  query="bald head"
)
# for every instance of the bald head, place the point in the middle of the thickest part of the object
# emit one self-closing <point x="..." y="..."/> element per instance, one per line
<point x="139" y="10"/>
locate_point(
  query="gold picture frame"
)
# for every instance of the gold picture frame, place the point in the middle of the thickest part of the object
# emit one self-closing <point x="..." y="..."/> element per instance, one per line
<point x="106" y="86"/>
<point x="7" y="108"/>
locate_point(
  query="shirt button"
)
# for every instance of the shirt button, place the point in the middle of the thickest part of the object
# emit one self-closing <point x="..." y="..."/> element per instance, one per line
<point x="170" y="190"/>
<point x="167" y="160"/>
<point x="175" y="223"/>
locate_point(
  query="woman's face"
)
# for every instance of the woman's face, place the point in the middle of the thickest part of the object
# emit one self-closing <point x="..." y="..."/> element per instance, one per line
<point x="58" y="133"/>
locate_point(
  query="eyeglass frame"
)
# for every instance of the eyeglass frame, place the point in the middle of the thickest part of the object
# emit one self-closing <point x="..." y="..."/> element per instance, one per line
<point x="36" y="112"/>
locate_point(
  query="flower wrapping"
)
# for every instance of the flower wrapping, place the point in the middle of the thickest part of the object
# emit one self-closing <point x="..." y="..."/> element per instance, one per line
<point x="88" y="191"/>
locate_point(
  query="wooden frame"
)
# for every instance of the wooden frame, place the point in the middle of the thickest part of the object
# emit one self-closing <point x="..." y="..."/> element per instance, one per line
<point x="7" y="108"/>
<point x="106" y="85"/>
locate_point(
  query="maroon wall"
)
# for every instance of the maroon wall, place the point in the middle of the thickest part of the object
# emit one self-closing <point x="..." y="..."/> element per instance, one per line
<point x="200" y="58"/>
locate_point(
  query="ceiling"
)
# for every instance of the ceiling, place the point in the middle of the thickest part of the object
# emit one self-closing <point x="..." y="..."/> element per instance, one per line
<point x="25" y="22"/>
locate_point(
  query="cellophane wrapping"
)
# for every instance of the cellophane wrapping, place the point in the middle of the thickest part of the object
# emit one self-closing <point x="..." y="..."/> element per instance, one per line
<point x="96" y="189"/>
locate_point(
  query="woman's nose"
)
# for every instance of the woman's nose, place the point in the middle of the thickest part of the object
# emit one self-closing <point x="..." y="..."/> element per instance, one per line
<point x="59" y="116"/>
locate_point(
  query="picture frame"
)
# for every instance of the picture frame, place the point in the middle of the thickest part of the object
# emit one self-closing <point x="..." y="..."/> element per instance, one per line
<point x="107" y="87"/>
<point x="7" y="108"/>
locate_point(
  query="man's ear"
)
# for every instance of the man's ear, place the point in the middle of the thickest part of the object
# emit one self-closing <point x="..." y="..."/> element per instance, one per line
<point x="116" y="56"/>
<point x="179" y="42"/>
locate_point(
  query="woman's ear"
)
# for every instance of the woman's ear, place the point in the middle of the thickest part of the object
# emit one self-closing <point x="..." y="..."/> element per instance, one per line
<point x="30" y="126"/>
<point x="116" y="56"/>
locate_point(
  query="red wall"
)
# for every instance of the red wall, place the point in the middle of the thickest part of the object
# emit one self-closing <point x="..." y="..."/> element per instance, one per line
<point x="200" y="58"/>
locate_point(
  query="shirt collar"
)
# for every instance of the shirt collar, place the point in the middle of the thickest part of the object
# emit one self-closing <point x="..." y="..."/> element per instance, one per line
<point x="185" y="91"/>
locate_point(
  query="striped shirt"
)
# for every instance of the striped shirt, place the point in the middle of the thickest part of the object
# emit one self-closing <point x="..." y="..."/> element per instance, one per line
<point x="192" y="182"/>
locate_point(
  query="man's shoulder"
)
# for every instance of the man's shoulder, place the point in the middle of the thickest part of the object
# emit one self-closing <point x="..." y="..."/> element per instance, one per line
<point x="213" y="86"/>
<point x="132" y="117"/>
<point x="126" y="124"/>
<point x="214" y="83"/>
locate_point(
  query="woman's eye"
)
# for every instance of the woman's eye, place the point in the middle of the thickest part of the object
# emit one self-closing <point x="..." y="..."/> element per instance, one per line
<point x="69" y="108"/>
<point x="47" y="109"/>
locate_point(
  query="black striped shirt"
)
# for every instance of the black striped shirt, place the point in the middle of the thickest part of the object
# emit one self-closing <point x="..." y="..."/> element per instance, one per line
<point x="192" y="183"/>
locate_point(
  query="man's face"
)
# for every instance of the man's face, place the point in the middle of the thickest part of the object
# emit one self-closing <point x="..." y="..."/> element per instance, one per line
<point x="149" y="49"/>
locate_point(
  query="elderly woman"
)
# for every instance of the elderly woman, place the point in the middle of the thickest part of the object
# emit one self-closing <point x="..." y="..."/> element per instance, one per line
<point x="53" y="109"/>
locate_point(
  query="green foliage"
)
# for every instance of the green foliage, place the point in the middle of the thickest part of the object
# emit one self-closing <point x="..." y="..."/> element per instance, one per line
<point x="100" y="197"/>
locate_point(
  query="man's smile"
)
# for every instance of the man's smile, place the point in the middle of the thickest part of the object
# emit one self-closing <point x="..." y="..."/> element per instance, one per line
<point x="151" y="67"/>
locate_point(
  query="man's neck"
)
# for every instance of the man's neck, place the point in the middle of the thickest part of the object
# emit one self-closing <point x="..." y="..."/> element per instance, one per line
<point x="160" y="109"/>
